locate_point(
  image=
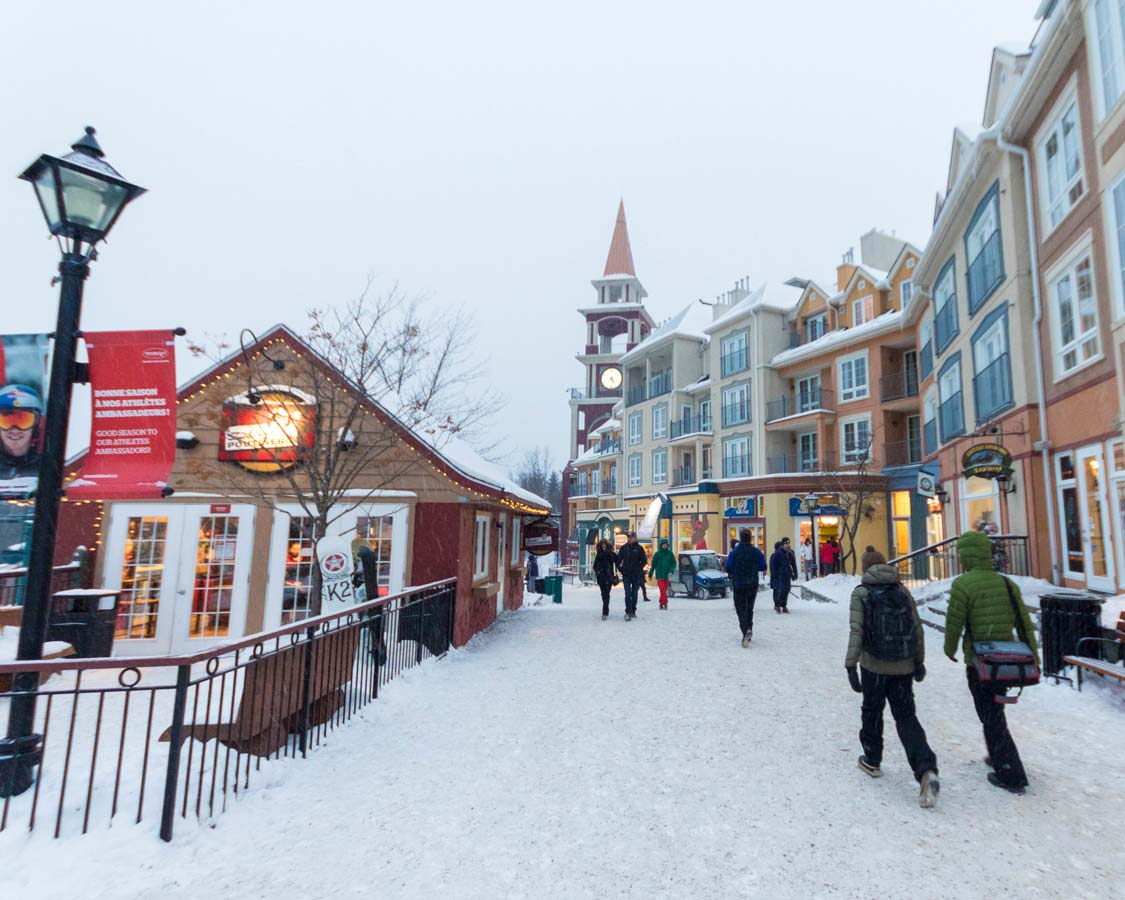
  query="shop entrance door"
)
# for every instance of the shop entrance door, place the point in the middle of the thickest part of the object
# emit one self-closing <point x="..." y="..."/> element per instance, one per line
<point x="502" y="563"/>
<point x="183" y="572"/>
<point x="1095" y="519"/>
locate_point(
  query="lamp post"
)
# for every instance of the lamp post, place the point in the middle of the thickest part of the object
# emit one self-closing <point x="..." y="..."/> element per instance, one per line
<point x="81" y="196"/>
<point x="811" y="502"/>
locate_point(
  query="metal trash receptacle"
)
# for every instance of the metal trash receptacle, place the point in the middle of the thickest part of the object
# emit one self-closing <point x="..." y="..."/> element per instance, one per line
<point x="1065" y="617"/>
<point x="85" y="619"/>
<point x="553" y="586"/>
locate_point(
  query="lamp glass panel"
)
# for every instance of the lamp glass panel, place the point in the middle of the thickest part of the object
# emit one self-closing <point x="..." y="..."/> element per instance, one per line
<point x="45" y="189"/>
<point x="90" y="202"/>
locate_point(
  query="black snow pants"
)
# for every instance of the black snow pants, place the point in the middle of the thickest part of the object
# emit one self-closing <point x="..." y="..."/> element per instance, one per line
<point x="1001" y="748"/>
<point x="898" y="691"/>
<point x="744" y="605"/>
<point x="604" y="587"/>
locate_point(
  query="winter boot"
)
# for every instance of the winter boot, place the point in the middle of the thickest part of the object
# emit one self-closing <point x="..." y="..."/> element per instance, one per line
<point x="746" y="639"/>
<point x="927" y="797"/>
<point x="873" y="771"/>
<point x="994" y="779"/>
<point x="605" y="616"/>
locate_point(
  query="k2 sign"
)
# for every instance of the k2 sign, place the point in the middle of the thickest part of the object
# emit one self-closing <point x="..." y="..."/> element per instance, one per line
<point x="334" y="555"/>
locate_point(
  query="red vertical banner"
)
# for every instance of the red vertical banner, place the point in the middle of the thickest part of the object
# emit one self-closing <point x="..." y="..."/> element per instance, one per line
<point x="133" y="430"/>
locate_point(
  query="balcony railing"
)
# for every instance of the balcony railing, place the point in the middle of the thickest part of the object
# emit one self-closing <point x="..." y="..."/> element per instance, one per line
<point x="952" y="418"/>
<point x="637" y="394"/>
<point x="945" y="324"/>
<point x="684" y="475"/>
<point x="926" y="359"/>
<point x="793" y="462"/>
<point x="985" y="272"/>
<point x="815" y="400"/>
<point x="736" y="466"/>
<point x="606" y="448"/>
<point x="902" y="453"/>
<point x="738" y="361"/>
<point x="577" y="394"/>
<point x="793" y="338"/>
<point x="661" y="384"/>
<point x="736" y="413"/>
<point x="930" y="437"/>
<point x="608" y="488"/>
<point x="898" y="385"/>
<point x="992" y="388"/>
<point x="689" y="425"/>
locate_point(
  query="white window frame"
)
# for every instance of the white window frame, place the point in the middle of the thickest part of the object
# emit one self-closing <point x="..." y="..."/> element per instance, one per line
<point x="802" y="439"/>
<point x="705" y="415"/>
<point x="660" y="465"/>
<point x="1067" y="266"/>
<point x="855" y="457"/>
<point x="926" y="332"/>
<point x="1106" y="45"/>
<point x="731" y="344"/>
<point x="636" y="427"/>
<point x="744" y="390"/>
<point x="1113" y="205"/>
<point x="821" y="330"/>
<point x="995" y="336"/>
<point x="733" y="442"/>
<point x="964" y="497"/>
<point x="660" y="421"/>
<point x="482" y="534"/>
<point x="853" y="394"/>
<point x="637" y="476"/>
<point x="867" y="306"/>
<point x="813" y="382"/>
<point x="517" y="540"/>
<point x="1051" y="207"/>
<point x="905" y="292"/>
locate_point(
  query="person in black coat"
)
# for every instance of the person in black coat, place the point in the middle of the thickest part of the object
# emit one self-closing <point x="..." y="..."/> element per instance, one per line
<point x="631" y="560"/>
<point x="605" y="571"/>
<point x="745" y="564"/>
<point x="783" y="570"/>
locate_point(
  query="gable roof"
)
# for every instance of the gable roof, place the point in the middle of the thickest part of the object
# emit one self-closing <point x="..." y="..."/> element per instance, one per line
<point x="450" y="455"/>
<point x="620" y="259"/>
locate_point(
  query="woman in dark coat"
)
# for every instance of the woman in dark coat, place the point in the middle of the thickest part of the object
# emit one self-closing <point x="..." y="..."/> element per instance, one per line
<point x="605" y="563"/>
<point x="783" y="570"/>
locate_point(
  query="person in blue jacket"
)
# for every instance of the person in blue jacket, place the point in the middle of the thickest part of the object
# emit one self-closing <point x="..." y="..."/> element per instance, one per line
<point x="745" y="565"/>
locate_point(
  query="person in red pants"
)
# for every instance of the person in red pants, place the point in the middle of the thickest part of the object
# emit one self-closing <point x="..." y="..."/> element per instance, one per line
<point x="663" y="565"/>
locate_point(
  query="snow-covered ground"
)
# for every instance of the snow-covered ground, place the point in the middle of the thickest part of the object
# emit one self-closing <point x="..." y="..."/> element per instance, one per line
<point x="562" y="756"/>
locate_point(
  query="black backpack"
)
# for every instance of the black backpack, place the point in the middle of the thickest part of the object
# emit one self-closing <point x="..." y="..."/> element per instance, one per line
<point x="888" y="623"/>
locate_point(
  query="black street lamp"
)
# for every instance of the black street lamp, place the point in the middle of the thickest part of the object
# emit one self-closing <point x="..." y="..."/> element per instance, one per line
<point x="811" y="503"/>
<point x="81" y="196"/>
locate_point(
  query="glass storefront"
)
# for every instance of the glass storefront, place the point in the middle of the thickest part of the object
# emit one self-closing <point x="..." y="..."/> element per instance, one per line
<point x="142" y="575"/>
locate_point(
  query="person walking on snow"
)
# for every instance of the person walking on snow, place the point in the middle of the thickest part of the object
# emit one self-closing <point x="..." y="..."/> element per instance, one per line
<point x="745" y="564"/>
<point x="783" y="569"/>
<point x="983" y="604"/>
<point x="605" y="566"/>
<point x="827" y="557"/>
<point x="808" y="558"/>
<point x="663" y="565"/>
<point x="887" y="644"/>
<point x="631" y="559"/>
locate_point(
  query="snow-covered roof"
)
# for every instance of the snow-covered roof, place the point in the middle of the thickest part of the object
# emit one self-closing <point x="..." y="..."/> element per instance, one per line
<point x="459" y="455"/>
<point x="841" y="336"/>
<point x="689" y="322"/>
<point x="607" y="425"/>
<point x="700" y="385"/>
<point x="755" y="300"/>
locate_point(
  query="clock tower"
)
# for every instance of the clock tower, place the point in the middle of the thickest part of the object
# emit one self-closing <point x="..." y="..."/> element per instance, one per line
<point x="615" y="322"/>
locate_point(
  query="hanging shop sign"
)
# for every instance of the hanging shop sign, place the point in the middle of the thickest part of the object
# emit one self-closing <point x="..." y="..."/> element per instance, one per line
<point x="986" y="461"/>
<point x="334" y="556"/>
<point x="267" y="429"/>
<point x="798" y="506"/>
<point x="540" y="538"/>
<point x="133" y="423"/>
<point x="927" y="485"/>
<point x="23" y="390"/>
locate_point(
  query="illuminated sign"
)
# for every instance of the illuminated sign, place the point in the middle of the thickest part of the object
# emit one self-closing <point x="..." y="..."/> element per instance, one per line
<point x="986" y="461"/>
<point x="270" y="433"/>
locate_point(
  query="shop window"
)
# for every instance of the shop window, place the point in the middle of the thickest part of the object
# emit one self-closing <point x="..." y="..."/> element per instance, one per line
<point x="980" y="505"/>
<point x="142" y="576"/>
<point x="299" y="562"/>
<point x="213" y="590"/>
<point x="480" y="546"/>
<point x="377" y="532"/>
<point x="900" y="516"/>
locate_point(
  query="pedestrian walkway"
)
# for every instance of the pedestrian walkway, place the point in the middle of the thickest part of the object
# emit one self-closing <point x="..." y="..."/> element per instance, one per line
<point x="563" y="756"/>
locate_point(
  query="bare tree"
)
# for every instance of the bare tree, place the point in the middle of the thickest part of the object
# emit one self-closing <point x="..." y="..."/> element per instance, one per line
<point x="314" y="437"/>
<point x="537" y="473"/>
<point x="854" y="489"/>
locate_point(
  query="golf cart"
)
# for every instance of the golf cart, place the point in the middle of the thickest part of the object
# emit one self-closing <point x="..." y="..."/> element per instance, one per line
<point x="700" y="574"/>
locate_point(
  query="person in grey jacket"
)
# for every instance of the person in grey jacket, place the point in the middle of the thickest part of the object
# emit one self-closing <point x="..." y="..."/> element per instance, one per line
<point x="887" y="644"/>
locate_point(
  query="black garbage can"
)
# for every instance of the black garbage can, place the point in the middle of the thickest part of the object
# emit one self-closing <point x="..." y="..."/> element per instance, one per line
<point x="540" y="585"/>
<point x="85" y="619"/>
<point x="1065" y="618"/>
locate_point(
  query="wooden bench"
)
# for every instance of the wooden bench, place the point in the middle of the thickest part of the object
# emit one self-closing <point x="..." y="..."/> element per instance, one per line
<point x="1097" y="666"/>
<point x="269" y="709"/>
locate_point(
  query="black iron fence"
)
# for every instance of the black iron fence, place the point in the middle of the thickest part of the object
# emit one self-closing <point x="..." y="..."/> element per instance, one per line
<point x="168" y="737"/>
<point x="938" y="561"/>
<point x="76" y="574"/>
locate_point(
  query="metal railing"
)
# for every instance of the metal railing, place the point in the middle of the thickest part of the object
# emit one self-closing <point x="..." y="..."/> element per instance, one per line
<point x="605" y="448"/>
<point x="76" y="574"/>
<point x="637" y="394"/>
<point x="945" y="323"/>
<point x="609" y="487"/>
<point x="738" y="361"/>
<point x="736" y="413"/>
<point x="992" y="388"/>
<point x="790" y="463"/>
<point x="682" y="476"/>
<point x="814" y="400"/>
<point x="952" y="416"/>
<point x="173" y="736"/>
<point x="986" y="271"/>
<point x="689" y="425"/>
<point x="902" y="453"/>
<point x="661" y="384"/>
<point x="929" y="431"/>
<point x="793" y="338"/>
<point x="940" y="560"/>
<point x="736" y="466"/>
<point x="898" y="385"/>
<point x="577" y="394"/>
<point x="926" y="360"/>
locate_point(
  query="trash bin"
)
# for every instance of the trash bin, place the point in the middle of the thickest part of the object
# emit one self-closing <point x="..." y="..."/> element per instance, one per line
<point x="553" y="586"/>
<point x="1065" y="618"/>
<point x="540" y="585"/>
<point x="85" y="619"/>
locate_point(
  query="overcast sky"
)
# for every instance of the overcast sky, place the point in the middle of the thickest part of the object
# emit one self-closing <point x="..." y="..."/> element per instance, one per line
<point x="477" y="151"/>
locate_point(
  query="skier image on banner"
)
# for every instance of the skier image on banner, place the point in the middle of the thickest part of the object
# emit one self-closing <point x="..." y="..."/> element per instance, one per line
<point x="23" y="372"/>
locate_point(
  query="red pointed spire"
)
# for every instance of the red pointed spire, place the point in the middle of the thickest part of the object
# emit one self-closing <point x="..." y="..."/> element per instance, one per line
<point x="620" y="259"/>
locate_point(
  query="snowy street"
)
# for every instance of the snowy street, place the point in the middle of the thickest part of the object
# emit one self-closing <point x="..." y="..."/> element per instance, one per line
<point x="562" y="756"/>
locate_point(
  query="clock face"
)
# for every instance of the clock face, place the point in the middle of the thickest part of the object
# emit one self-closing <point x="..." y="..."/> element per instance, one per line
<point x="611" y="379"/>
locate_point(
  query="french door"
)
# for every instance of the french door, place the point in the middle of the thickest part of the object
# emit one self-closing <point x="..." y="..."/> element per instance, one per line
<point x="502" y="562"/>
<point x="183" y="572"/>
<point x="1094" y="505"/>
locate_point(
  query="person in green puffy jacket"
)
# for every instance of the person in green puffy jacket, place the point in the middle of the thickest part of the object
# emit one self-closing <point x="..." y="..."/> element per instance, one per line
<point x="662" y="566"/>
<point x="980" y="608"/>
